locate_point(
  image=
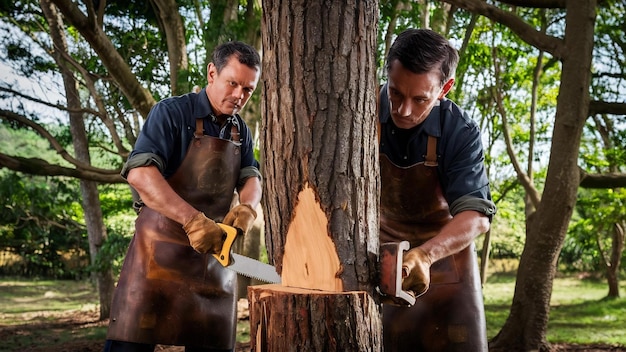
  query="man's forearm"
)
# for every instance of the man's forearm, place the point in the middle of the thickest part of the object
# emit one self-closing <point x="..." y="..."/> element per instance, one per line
<point x="456" y="235"/>
<point x="251" y="192"/>
<point x="157" y="194"/>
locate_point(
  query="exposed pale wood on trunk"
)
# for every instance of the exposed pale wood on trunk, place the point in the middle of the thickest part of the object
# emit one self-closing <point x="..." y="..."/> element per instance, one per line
<point x="310" y="259"/>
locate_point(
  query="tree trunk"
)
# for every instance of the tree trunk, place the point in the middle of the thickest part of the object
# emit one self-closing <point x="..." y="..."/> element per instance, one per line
<point x="613" y="266"/>
<point x="250" y="247"/>
<point x="91" y="203"/>
<point x="484" y="257"/>
<point x="172" y="24"/>
<point x="327" y="321"/>
<point x="321" y="184"/>
<point x="525" y="328"/>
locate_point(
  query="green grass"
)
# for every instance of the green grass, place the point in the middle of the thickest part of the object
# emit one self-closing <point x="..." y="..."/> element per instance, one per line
<point x="21" y="299"/>
<point x="49" y="315"/>
<point x="54" y="314"/>
<point x="580" y="312"/>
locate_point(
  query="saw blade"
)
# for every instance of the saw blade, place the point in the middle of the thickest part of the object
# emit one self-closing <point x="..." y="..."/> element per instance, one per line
<point x="254" y="269"/>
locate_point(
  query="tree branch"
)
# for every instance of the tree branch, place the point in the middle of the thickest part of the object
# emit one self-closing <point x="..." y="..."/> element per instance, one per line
<point x="102" y="114"/>
<point x="36" y="166"/>
<point x="602" y="181"/>
<point x="603" y="107"/>
<point x="524" y="178"/>
<point x="527" y="33"/>
<point x="126" y="80"/>
<point x="538" y="4"/>
<point x="43" y="102"/>
<point x="11" y="116"/>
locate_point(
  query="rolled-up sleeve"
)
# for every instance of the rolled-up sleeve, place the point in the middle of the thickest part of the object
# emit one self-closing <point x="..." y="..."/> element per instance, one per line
<point x="465" y="181"/>
<point x="162" y="140"/>
<point x="140" y="160"/>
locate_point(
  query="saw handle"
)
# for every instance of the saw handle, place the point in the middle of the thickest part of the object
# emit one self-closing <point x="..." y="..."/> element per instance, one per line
<point x="231" y="235"/>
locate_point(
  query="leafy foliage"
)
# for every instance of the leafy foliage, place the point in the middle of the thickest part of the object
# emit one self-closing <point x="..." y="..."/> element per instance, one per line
<point x="39" y="224"/>
<point x="589" y="238"/>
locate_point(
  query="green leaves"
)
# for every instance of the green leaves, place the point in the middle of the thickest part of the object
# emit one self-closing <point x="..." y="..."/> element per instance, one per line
<point x="39" y="223"/>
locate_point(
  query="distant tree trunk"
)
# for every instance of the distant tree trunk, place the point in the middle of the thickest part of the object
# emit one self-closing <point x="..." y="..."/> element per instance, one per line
<point x="613" y="264"/>
<point x="321" y="184"/>
<point x="250" y="247"/>
<point x="484" y="257"/>
<point x="172" y="24"/>
<point x="526" y="326"/>
<point x="91" y="203"/>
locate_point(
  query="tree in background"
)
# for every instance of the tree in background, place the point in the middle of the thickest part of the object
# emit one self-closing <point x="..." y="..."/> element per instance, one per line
<point x="552" y="208"/>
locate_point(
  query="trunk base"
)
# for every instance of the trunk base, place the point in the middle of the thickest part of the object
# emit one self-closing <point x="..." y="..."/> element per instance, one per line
<point x="296" y="319"/>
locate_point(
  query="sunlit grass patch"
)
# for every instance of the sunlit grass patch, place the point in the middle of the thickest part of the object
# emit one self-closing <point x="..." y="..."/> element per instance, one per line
<point x="38" y="299"/>
<point x="579" y="311"/>
<point x="589" y="321"/>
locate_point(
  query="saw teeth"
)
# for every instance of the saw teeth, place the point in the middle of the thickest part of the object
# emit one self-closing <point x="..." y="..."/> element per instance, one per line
<point x="251" y="276"/>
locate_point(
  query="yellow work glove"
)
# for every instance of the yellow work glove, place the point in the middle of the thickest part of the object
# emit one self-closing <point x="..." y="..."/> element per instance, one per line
<point x="204" y="234"/>
<point x="416" y="271"/>
<point x="241" y="216"/>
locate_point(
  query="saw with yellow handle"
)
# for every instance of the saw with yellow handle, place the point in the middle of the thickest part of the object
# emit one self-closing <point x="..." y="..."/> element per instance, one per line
<point x="242" y="264"/>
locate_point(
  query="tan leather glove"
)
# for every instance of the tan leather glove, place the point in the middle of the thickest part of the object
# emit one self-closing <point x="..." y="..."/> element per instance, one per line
<point x="204" y="234"/>
<point x="416" y="271"/>
<point x="241" y="216"/>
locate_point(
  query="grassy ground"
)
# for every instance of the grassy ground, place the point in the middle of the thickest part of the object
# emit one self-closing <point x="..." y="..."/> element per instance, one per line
<point x="54" y="315"/>
<point x="579" y="313"/>
<point x="63" y="315"/>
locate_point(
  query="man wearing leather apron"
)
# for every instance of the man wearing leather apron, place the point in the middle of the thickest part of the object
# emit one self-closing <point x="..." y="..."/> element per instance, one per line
<point x="434" y="194"/>
<point x="193" y="152"/>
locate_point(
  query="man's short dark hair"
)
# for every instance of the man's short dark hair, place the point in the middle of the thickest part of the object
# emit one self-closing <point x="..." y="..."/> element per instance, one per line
<point x="245" y="53"/>
<point x="422" y="50"/>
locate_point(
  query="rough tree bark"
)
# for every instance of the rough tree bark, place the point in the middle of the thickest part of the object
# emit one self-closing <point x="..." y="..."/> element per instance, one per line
<point x="321" y="188"/>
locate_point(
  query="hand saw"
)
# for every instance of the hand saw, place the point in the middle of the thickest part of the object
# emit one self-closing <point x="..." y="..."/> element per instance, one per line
<point x="242" y="264"/>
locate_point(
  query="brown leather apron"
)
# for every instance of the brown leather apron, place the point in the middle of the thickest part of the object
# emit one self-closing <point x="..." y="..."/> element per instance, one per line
<point x="450" y="315"/>
<point x="167" y="292"/>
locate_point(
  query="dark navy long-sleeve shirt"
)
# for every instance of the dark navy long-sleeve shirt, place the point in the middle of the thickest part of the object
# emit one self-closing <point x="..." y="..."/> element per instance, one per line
<point x="170" y="127"/>
<point x="460" y="154"/>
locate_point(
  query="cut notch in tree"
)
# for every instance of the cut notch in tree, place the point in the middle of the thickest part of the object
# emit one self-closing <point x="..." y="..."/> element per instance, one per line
<point x="310" y="259"/>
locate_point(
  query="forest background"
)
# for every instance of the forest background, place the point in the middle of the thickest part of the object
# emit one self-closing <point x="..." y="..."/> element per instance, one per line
<point x="78" y="79"/>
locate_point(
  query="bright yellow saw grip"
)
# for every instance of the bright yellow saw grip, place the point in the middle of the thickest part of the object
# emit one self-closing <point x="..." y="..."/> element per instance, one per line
<point x="231" y="234"/>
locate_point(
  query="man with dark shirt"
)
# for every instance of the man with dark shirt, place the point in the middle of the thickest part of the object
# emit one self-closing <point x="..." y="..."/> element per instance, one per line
<point x="193" y="152"/>
<point x="435" y="195"/>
